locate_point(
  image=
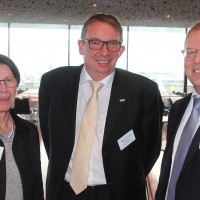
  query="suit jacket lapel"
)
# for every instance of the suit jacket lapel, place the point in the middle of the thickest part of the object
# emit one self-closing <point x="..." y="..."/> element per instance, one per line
<point x="193" y="148"/>
<point x="69" y="100"/>
<point x="195" y="142"/>
<point x="116" y="104"/>
<point x="176" y="117"/>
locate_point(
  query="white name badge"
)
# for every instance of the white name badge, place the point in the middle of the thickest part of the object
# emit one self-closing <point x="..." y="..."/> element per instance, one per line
<point x="126" y="139"/>
<point x="1" y="151"/>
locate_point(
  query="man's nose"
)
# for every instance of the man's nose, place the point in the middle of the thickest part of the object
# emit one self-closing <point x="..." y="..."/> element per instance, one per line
<point x="105" y="51"/>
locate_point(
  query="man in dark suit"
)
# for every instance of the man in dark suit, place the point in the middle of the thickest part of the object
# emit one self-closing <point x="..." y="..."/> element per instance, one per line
<point x="128" y="132"/>
<point x="183" y="185"/>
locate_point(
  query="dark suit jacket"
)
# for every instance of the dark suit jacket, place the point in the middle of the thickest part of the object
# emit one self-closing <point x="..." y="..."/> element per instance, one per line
<point x="189" y="180"/>
<point x="141" y="112"/>
<point x="26" y="151"/>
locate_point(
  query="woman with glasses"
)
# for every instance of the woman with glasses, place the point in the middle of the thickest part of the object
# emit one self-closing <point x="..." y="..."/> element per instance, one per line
<point x="20" y="168"/>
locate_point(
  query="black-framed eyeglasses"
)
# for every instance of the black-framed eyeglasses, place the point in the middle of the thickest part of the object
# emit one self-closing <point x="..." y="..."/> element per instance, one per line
<point x="190" y="52"/>
<point x="98" y="44"/>
<point x="10" y="81"/>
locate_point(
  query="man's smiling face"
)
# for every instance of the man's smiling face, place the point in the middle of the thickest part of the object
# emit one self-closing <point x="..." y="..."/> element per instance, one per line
<point x="100" y="63"/>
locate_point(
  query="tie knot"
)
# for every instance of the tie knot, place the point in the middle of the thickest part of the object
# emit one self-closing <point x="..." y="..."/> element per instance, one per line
<point x="96" y="86"/>
<point x="196" y="103"/>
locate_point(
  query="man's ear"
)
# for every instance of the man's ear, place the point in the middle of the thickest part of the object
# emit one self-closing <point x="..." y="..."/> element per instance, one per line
<point x="121" y="51"/>
<point x="80" y="46"/>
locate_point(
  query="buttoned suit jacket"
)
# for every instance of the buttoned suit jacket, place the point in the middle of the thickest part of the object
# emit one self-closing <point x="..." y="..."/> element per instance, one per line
<point x="135" y="104"/>
<point x="189" y="179"/>
<point x="26" y="152"/>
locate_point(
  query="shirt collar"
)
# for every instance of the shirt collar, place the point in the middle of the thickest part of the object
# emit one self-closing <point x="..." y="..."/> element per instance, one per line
<point x="194" y="93"/>
<point x="107" y="81"/>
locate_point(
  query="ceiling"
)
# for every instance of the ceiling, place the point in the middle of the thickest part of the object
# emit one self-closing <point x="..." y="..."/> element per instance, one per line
<point x="157" y="13"/>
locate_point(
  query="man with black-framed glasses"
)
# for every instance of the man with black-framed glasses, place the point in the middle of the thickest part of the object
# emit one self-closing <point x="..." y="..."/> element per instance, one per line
<point x="126" y="137"/>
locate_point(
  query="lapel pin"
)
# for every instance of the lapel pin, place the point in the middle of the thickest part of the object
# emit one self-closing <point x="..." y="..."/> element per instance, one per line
<point x="121" y="100"/>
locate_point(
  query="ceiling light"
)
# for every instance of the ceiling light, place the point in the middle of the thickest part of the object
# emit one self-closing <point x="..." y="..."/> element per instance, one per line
<point x="9" y="14"/>
<point x="94" y="5"/>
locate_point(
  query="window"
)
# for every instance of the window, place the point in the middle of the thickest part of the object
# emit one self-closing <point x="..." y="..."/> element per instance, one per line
<point x="122" y="62"/>
<point x="156" y="54"/>
<point x="75" y="34"/>
<point x="4" y="39"/>
<point x="36" y="49"/>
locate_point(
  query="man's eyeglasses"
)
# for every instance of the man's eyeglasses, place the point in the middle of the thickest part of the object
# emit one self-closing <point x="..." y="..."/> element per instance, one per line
<point x="10" y="81"/>
<point x="190" y="52"/>
<point x="98" y="44"/>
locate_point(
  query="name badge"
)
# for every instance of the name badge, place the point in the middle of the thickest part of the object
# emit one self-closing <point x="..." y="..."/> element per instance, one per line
<point x="126" y="139"/>
<point x="1" y="151"/>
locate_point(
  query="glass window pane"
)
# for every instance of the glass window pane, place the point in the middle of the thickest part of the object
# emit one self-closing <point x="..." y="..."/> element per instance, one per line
<point x="75" y="59"/>
<point x="156" y="53"/>
<point x="36" y="49"/>
<point x="4" y="39"/>
<point x="121" y="63"/>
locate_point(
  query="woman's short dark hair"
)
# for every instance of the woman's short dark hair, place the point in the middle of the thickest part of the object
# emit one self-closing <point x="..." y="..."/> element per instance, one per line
<point x="7" y="61"/>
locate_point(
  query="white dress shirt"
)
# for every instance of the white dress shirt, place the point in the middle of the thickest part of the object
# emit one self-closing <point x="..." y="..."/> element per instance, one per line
<point x="96" y="170"/>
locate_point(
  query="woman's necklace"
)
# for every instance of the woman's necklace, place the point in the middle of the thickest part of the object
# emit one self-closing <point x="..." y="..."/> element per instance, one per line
<point x="7" y="136"/>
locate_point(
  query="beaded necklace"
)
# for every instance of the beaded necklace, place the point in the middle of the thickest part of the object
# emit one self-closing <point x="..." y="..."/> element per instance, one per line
<point x="7" y="136"/>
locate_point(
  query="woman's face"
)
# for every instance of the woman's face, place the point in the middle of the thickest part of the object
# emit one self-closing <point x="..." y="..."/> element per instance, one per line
<point x="7" y="94"/>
